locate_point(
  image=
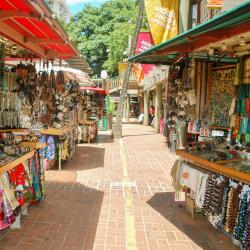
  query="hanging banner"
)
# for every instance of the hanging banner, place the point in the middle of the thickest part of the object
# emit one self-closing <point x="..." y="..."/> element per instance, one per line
<point x="122" y="67"/>
<point x="214" y="4"/>
<point x="144" y="42"/>
<point x="163" y="18"/>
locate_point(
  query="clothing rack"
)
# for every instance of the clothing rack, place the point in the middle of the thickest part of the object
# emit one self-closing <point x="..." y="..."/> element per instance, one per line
<point x="214" y="167"/>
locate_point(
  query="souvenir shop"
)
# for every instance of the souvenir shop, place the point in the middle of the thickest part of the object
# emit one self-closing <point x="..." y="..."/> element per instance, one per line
<point x="38" y="106"/>
<point x="92" y="114"/>
<point x="208" y="127"/>
<point x="207" y="121"/>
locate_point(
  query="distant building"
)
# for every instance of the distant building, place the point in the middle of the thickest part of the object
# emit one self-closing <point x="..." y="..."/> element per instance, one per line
<point x="60" y="8"/>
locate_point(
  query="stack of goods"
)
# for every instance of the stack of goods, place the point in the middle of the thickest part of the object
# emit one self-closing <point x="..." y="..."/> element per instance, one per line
<point x="87" y="132"/>
<point x="36" y="100"/>
<point x="20" y="186"/>
<point x="9" y="149"/>
<point x="180" y="102"/>
<point x="225" y="202"/>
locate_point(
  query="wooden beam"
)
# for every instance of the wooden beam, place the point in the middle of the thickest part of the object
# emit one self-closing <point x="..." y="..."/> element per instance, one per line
<point x="14" y="13"/>
<point x="16" y="37"/>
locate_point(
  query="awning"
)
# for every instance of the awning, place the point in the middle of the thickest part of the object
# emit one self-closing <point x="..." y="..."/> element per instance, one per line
<point x="228" y="24"/>
<point x="95" y="89"/>
<point x="30" y="24"/>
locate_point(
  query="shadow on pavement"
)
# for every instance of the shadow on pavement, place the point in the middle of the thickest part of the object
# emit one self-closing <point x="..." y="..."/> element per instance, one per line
<point x="198" y="230"/>
<point x="86" y="157"/>
<point x="66" y="219"/>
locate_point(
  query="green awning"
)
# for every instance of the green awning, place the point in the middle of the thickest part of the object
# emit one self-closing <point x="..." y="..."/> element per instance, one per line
<point x="227" y="20"/>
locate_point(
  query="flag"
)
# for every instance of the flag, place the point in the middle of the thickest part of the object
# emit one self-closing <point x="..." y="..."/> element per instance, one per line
<point x="163" y="18"/>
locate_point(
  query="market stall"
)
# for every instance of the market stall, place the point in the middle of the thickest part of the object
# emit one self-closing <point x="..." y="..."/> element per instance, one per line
<point x="92" y="113"/>
<point x="37" y="106"/>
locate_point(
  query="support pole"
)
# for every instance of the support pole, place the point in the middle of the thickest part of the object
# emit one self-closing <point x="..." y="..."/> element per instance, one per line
<point x="146" y="109"/>
<point x="127" y="108"/>
<point x="158" y="107"/>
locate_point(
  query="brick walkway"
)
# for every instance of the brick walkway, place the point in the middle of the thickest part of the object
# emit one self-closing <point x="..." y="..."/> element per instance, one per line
<point x="114" y="195"/>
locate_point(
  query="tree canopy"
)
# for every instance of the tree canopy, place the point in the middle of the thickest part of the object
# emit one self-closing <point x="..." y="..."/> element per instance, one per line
<point x="101" y="33"/>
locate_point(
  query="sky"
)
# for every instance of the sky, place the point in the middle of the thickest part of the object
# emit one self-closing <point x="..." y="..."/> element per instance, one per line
<point x="77" y="5"/>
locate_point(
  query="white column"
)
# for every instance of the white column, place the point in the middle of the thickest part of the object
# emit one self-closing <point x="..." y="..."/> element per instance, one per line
<point x="146" y="109"/>
<point x="158" y="107"/>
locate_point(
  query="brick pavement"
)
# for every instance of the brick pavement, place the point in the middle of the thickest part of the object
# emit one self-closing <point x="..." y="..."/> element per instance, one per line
<point x="114" y="195"/>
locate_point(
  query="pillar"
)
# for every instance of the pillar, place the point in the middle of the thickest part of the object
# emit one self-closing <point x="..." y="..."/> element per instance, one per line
<point x="158" y="107"/>
<point x="146" y="108"/>
<point x="127" y="111"/>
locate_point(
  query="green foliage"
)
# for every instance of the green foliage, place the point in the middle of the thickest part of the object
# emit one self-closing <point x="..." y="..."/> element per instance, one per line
<point x="117" y="45"/>
<point x="101" y="33"/>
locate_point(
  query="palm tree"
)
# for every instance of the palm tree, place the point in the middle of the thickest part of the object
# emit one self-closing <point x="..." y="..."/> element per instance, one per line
<point x="117" y="129"/>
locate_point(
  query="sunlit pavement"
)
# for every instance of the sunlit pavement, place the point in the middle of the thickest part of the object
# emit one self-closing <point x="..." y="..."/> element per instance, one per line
<point x="114" y="195"/>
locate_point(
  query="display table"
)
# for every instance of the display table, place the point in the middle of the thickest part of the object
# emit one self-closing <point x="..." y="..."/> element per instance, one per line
<point x="34" y="145"/>
<point x="14" y="163"/>
<point x="215" y="167"/>
<point x="60" y="132"/>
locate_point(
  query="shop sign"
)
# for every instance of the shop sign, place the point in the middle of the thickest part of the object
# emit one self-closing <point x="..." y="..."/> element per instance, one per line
<point x="214" y="4"/>
<point x="163" y="18"/>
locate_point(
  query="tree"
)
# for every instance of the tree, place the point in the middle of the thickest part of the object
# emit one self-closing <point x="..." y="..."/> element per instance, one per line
<point x="118" y="43"/>
<point x="95" y="29"/>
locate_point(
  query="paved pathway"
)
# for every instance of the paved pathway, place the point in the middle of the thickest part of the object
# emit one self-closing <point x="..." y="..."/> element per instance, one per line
<point x="114" y="195"/>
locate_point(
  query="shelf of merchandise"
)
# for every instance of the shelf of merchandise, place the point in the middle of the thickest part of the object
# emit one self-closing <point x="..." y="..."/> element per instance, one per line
<point x="16" y="131"/>
<point x="34" y="145"/>
<point x="215" y="167"/>
<point x="88" y="122"/>
<point x="17" y="161"/>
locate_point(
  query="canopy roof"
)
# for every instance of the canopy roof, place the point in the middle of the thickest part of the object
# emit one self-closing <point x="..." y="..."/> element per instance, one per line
<point x="31" y="24"/>
<point x="95" y="89"/>
<point x="80" y="76"/>
<point x="228" y="24"/>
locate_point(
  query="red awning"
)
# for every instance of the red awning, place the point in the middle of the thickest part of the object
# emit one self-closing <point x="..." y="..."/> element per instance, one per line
<point x="30" y="24"/>
<point x="96" y="89"/>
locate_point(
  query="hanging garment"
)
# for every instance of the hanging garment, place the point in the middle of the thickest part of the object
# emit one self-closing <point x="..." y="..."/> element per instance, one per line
<point x="35" y="178"/>
<point x="175" y="175"/>
<point x="201" y="190"/>
<point x="4" y="183"/>
<point x="3" y="222"/>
